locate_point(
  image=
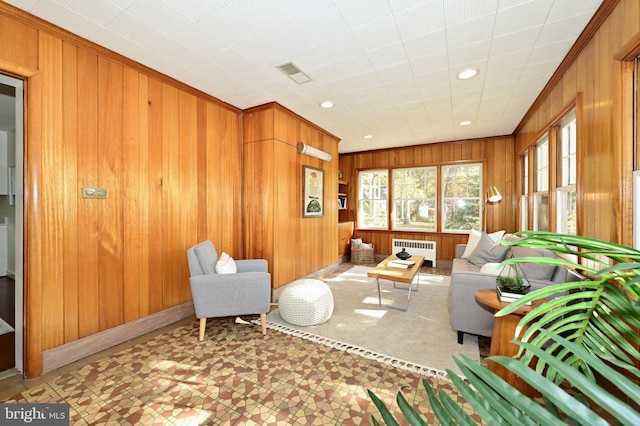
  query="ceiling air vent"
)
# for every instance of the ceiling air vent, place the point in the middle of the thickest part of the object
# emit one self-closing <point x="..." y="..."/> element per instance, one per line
<point x="294" y="73"/>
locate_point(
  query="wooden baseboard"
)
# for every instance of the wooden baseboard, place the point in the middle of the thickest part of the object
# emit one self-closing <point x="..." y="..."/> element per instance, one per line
<point x="78" y="349"/>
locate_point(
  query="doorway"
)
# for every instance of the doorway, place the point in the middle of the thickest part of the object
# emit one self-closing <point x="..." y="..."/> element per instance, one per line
<point x="11" y="224"/>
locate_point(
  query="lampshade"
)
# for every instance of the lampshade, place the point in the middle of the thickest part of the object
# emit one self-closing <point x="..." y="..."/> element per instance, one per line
<point x="493" y="194"/>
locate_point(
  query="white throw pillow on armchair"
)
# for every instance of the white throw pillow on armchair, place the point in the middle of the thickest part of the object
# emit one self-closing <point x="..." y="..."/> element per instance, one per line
<point x="226" y="265"/>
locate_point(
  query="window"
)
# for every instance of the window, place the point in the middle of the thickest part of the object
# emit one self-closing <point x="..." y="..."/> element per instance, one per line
<point x="461" y="197"/>
<point x="541" y="194"/>
<point x="414" y="199"/>
<point x="373" y="199"/>
<point x="566" y="218"/>
<point x="524" y="193"/>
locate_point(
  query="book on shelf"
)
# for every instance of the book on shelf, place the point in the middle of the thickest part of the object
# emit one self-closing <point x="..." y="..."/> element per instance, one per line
<point x="401" y="264"/>
<point x="508" y="297"/>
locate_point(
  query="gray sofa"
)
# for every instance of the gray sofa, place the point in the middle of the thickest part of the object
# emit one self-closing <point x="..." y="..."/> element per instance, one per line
<point x="467" y="315"/>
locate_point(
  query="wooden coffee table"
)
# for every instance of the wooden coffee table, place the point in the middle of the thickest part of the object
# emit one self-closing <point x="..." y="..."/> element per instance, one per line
<point x="405" y="276"/>
<point x="504" y="330"/>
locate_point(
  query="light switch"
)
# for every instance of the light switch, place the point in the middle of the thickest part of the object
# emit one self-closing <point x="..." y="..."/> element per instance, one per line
<point x="91" y="192"/>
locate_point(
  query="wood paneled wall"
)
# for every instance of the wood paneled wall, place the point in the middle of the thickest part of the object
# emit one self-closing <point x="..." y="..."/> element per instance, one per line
<point x="275" y="228"/>
<point x="169" y="156"/>
<point x="605" y="123"/>
<point x="495" y="154"/>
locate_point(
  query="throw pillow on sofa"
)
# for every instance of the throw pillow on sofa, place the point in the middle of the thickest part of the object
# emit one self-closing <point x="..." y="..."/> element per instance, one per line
<point x="534" y="271"/>
<point x="487" y="251"/>
<point x="474" y="239"/>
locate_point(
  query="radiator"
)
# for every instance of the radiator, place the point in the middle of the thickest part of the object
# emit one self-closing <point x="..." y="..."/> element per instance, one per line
<point x="417" y="247"/>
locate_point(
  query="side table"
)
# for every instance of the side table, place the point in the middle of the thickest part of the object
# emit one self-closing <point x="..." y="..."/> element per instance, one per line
<point x="504" y="330"/>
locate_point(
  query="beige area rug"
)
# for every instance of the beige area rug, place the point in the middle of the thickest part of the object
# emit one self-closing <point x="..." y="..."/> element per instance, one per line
<point x="5" y="328"/>
<point x="420" y="340"/>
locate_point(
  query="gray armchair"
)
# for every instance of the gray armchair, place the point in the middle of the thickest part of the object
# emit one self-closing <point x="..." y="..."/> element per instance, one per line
<point x="247" y="292"/>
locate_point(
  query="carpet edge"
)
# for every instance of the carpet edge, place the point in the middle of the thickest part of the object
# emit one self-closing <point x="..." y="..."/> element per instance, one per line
<point x="365" y="353"/>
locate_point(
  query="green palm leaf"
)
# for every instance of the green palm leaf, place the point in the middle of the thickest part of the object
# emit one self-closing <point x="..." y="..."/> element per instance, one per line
<point x="584" y="333"/>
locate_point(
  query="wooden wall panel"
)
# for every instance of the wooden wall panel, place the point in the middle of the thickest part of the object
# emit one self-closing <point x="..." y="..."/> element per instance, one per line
<point x="49" y="255"/>
<point x="134" y="150"/>
<point x="110" y="280"/>
<point x="97" y="119"/>
<point x="293" y="245"/>
<point x="20" y="44"/>
<point x="493" y="153"/>
<point x="598" y="78"/>
<point x="87" y="175"/>
<point x="70" y="148"/>
<point x="155" y="184"/>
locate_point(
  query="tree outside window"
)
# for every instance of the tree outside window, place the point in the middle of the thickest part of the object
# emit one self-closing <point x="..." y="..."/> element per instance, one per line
<point x="461" y="199"/>
<point x="415" y="198"/>
<point x="373" y="199"/>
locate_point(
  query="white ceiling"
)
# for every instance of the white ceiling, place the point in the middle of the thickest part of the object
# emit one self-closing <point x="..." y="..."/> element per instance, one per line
<point x="388" y="65"/>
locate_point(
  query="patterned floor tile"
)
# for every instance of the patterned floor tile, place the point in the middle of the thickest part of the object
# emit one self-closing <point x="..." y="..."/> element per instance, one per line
<point x="236" y="376"/>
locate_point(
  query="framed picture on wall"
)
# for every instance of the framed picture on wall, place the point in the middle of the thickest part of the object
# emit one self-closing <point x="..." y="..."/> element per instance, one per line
<point x="313" y="196"/>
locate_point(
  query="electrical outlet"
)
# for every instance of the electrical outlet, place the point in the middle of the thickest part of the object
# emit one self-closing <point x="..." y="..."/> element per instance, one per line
<point x="98" y="193"/>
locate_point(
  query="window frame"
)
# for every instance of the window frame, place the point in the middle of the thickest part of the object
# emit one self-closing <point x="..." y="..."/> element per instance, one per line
<point x="375" y="201"/>
<point x="566" y="185"/>
<point x="394" y="199"/>
<point x="444" y="198"/>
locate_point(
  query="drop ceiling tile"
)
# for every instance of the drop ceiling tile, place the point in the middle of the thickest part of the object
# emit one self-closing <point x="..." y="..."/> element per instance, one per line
<point x="353" y="65"/>
<point x="561" y="30"/>
<point x="357" y="13"/>
<point x="430" y="63"/>
<point x="523" y="16"/>
<point x="99" y="12"/>
<point x="563" y="9"/>
<point x="459" y="11"/>
<point x="388" y="55"/>
<point x="426" y="44"/>
<point x="477" y="30"/>
<point x="322" y="22"/>
<point x="337" y="47"/>
<point x="124" y="4"/>
<point x="401" y="72"/>
<point x="131" y="28"/>
<point x="27" y="5"/>
<point x="465" y="56"/>
<point x="226" y="26"/>
<point x="514" y="42"/>
<point x="380" y="33"/>
<point x="199" y="40"/>
<point x="422" y="19"/>
<point x="197" y="9"/>
<point x="550" y="52"/>
<point x="159" y="14"/>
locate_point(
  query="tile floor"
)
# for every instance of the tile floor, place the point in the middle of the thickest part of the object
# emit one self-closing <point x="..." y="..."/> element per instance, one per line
<point x="236" y="376"/>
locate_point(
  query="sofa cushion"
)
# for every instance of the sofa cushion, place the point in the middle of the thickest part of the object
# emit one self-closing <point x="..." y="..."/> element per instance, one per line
<point x="474" y="239"/>
<point x="487" y="251"/>
<point x="534" y="271"/>
<point x="207" y="256"/>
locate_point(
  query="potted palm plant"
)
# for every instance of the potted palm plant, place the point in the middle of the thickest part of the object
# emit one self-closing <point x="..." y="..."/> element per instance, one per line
<point x="586" y="344"/>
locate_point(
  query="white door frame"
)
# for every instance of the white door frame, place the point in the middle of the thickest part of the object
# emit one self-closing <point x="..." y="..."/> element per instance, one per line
<point x="19" y="218"/>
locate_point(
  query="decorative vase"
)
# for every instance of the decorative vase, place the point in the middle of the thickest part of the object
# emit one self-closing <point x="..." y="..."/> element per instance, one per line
<point x="403" y="254"/>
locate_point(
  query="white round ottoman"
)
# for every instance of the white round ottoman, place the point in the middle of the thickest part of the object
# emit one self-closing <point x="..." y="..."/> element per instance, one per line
<point x="306" y="302"/>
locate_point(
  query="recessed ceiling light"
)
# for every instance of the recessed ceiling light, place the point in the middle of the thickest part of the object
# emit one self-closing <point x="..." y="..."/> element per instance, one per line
<point x="465" y="123"/>
<point x="326" y="104"/>
<point x="368" y="136"/>
<point x="468" y="73"/>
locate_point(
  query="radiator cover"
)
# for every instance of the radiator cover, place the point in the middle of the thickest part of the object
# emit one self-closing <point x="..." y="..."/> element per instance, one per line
<point x="417" y="247"/>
